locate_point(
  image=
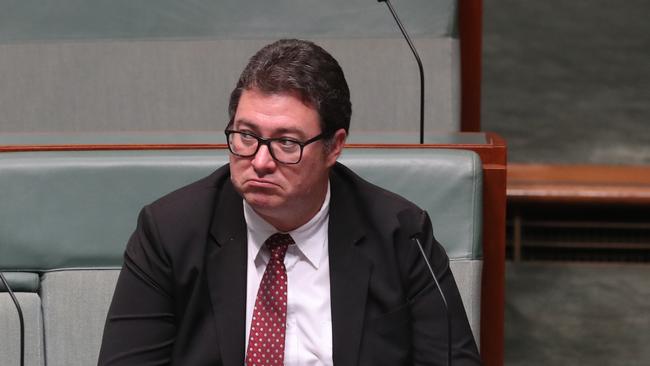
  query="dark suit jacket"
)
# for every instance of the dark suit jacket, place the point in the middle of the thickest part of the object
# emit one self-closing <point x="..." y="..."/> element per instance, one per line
<point x="181" y="295"/>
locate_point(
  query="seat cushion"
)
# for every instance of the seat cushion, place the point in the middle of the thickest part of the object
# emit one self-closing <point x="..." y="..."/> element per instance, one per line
<point x="75" y="304"/>
<point x="30" y="304"/>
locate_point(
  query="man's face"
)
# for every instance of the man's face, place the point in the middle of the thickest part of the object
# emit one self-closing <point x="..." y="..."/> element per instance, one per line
<point x="286" y="195"/>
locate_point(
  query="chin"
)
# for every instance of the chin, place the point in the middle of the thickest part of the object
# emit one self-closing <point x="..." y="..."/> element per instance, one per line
<point x="262" y="202"/>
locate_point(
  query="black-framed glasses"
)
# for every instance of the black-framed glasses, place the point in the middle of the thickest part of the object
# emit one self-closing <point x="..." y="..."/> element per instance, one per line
<point x="283" y="149"/>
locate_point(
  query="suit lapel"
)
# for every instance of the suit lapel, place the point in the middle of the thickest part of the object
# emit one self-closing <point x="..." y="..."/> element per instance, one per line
<point x="226" y="270"/>
<point x="349" y="275"/>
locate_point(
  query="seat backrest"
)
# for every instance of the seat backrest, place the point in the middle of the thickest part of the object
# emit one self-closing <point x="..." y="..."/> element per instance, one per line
<point x="150" y="64"/>
<point x="66" y="217"/>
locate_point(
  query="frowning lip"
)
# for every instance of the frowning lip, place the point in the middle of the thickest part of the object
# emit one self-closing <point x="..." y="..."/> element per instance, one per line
<point x="260" y="183"/>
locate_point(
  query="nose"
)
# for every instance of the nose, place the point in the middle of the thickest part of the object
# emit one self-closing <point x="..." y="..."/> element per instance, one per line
<point x="263" y="162"/>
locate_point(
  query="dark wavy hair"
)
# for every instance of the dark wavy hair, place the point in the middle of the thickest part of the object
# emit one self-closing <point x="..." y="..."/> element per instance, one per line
<point x="292" y="65"/>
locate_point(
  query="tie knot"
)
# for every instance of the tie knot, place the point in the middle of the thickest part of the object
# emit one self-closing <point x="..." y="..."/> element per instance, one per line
<point x="278" y="244"/>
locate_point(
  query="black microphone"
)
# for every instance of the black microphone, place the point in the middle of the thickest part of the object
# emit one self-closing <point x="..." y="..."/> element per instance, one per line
<point x="413" y="231"/>
<point x="417" y="58"/>
<point x="20" y="318"/>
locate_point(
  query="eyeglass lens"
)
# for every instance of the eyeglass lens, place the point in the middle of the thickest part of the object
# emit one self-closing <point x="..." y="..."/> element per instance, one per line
<point x="283" y="150"/>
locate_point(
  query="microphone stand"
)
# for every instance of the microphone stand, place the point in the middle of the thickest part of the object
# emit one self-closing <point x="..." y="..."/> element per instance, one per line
<point x="442" y="296"/>
<point x="20" y="318"/>
<point x="411" y="227"/>
<point x="417" y="58"/>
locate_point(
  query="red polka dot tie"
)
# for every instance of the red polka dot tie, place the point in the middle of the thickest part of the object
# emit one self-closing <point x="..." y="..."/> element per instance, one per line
<point x="266" y="339"/>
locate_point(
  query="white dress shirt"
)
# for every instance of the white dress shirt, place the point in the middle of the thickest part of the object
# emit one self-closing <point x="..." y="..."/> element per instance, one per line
<point x="308" y="339"/>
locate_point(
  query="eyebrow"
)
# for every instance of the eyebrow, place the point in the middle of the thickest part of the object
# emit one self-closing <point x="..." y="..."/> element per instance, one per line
<point x="253" y="126"/>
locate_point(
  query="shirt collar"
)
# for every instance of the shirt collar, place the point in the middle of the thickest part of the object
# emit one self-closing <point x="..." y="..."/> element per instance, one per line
<point x="308" y="241"/>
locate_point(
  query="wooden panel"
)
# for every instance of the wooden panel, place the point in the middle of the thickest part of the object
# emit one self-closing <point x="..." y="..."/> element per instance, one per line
<point x="470" y="19"/>
<point x="578" y="184"/>
<point x="96" y="147"/>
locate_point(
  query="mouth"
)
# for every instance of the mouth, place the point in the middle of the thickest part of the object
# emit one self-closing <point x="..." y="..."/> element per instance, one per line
<point x="261" y="184"/>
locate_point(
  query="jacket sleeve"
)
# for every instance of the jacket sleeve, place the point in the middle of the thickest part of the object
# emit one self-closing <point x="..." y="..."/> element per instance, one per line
<point x="140" y="326"/>
<point x="428" y="314"/>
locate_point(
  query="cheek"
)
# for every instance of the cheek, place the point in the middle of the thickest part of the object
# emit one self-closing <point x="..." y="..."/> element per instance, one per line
<point x="237" y="168"/>
<point x="307" y="177"/>
<point x="288" y="177"/>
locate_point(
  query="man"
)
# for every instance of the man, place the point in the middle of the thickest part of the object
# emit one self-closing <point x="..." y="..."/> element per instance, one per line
<point x="284" y="256"/>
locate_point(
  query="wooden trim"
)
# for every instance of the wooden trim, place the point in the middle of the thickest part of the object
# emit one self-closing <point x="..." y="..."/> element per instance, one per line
<point x="27" y="148"/>
<point x="494" y="238"/>
<point x="580" y="173"/>
<point x="603" y="184"/>
<point x="103" y="147"/>
<point x="492" y="141"/>
<point x="470" y="20"/>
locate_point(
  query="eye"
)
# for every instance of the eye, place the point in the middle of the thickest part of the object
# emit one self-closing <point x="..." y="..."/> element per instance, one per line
<point x="247" y="139"/>
<point x="287" y="142"/>
<point x="246" y="136"/>
<point x="287" y="145"/>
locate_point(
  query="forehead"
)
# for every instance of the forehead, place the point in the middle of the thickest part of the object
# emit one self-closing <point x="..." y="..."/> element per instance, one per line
<point x="270" y="112"/>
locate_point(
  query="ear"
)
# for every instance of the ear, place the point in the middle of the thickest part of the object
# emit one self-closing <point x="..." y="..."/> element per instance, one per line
<point x="336" y="147"/>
